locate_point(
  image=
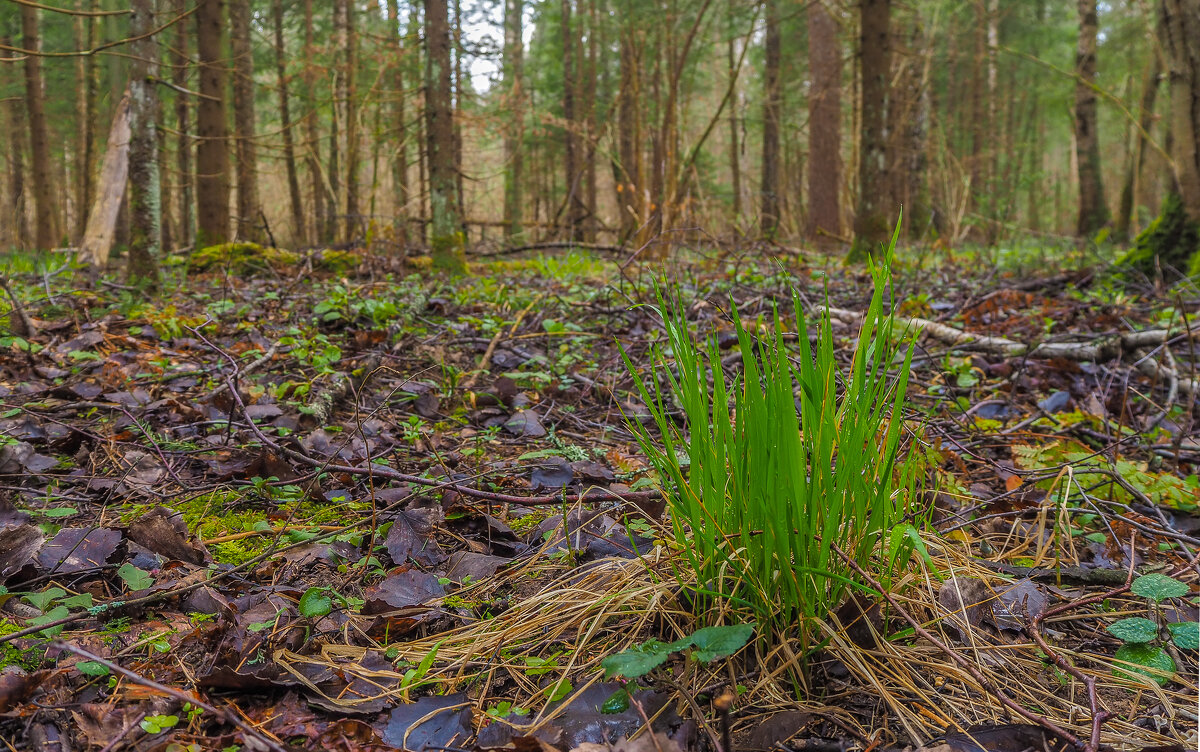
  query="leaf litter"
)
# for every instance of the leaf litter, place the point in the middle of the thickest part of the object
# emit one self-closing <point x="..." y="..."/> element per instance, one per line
<point x="338" y="531"/>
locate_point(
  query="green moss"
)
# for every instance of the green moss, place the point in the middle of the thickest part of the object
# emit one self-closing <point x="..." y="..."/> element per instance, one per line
<point x="338" y="262"/>
<point x="11" y="655"/>
<point x="240" y="257"/>
<point x="1170" y="243"/>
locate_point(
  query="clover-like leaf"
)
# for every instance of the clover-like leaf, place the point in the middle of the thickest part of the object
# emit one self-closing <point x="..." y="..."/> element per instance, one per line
<point x="1158" y="587"/>
<point x="135" y="578"/>
<point x="92" y="668"/>
<point x="1185" y="634"/>
<point x="1150" y="661"/>
<point x="712" y="643"/>
<point x="637" y="660"/>
<point x="1134" y="630"/>
<point x="315" y="603"/>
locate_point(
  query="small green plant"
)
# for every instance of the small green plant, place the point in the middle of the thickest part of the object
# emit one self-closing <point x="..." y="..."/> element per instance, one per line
<point x="705" y="645"/>
<point x="760" y="495"/>
<point x="1141" y="656"/>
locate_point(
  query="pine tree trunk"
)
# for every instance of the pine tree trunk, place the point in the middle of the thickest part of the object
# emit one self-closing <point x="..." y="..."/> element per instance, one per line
<point x="15" y="198"/>
<point x="871" y="218"/>
<point x="571" y="173"/>
<point x="769" y="189"/>
<point x="85" y="129"/>
<point x="285" y="123"/>
<point x="1093" y="210"/>
<point x="735" y="164"/>
<point x="446" y="239"/>
<point x="144" y="197"/>
<point x="39" y="137"/>
<point x="589" y="118"/>
<point x="1179" y="24"/>
<point x="249" y="207"/>
<point x="183" y="145"/>
<point x="399" y="126"/>
<point x="354" y="220"/>
<point x="514" y="133"/>
<point x="212" y="151"/>
<point x="824" y="126"/>
<point x="1137" y="155"/>
<point x="337" y="124"/>
<point x="630" y="199"/>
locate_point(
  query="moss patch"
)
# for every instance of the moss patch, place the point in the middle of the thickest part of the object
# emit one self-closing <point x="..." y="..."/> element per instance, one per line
<point x="1172" y="239"/>
<point x="240" y="257"/>
<point x="11" y="655"/>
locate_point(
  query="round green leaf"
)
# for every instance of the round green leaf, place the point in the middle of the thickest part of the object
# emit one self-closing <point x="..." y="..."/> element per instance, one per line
<point x="637" y="660"/>
<point x="92" y="668"/>
<point x="1158" y="587"/>
<point x="134" y="577"/>
<point x="617" y="702"/>
<point x="1135" y="629"/>
<point x="712" y="643"/>
<point x="315" y="603"/>
<point x="1134" y="661"/>
<point x="1185" y="634"/>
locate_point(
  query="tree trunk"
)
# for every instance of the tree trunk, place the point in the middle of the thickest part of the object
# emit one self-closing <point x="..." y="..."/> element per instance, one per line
<point x="285" y="123"/>
<point x="248" y="206"/>
<point x="514" y="133"/>
<point x="589" y="119"/>
<point x="85" y="127"/>
<point x="16" y="161"/>
<point x="1179" y="24"/>
<point x="337" y="124"/>
<point x="735" y="164"/>
<point x="1137" y="155"/>
<point x="772" y="52"/>
<point x="1093" y="210"/>
<point x="212" y="151"/>
<point x="871" y="218"/>
<point x="39" y="137"/>
<point x="446" y="241"/>
<point x="571" y="173"/>
<point x="145" y="198"/>
<point x="400" y="155"/>
<point x="631" y="194"/>
<point x="459" y="88"/>
<point x="312" y="157"/>
<point x="183" y="146"/>
<point x="824" y="126"/>
<point x="354" y="219"/>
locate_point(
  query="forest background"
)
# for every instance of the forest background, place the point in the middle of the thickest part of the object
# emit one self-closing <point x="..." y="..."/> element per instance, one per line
<point x="621" y="122"/>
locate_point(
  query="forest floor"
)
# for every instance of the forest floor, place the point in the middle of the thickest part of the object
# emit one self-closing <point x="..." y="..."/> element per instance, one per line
<point x="327" y="502"/>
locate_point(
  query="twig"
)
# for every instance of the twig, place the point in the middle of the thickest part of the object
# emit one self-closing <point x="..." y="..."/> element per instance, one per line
<point x="137" y="678"/>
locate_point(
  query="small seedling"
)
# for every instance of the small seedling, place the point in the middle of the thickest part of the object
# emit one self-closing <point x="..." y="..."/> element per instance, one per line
<point x="1140" y="655"/>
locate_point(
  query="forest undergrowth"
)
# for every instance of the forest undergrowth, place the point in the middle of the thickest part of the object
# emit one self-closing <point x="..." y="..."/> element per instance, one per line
<point x="329" y="501"/>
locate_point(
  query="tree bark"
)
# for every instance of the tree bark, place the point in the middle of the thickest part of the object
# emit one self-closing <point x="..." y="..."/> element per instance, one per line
<point x="212" y="151"/>
<point x="400" y="126"/>
<point x="312" y="157"/>
<point x="354" y="219"/>
<point x="85" y="128"/>
<point x="285" y="122"/>
<point x="248" y="205"/>
<point x="631" y="198"/>
<point x="576" y="209"/>
<point x="1093" y="210"/>
<point x="183" y="146"/>
<point x="337" y="123"/>
<point x="15" y="197"/>
<point x="1179" y="24"/>
<point x="145" y="197"/>
<point x="871" y="217"/>
<point x="824" y="126"/>
<point x="735" y="163"/>
<point x="514" y="134"/>
<point x="39" y="137"/>
<point x="769" y="189"/>
<point x="446" y="241"/>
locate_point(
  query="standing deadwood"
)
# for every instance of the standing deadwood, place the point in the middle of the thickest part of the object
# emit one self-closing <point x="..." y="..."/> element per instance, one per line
<point x="212" y="148"/>
<point x="39" y="136"/>
<point x="313" y="148"/>
<point x="571" y="173"/>
<point x="871" y="217"/>
<point x="285" y="123"/>
<point x="15" y="206"/>
<point x="145" y="198"/>
<point x="514" y="134"/>
<point x="769" y="189"/>
<point x="1179" y="24"/>
<point x="1093" y="210"/>
<point x="445" y="239"/>
<point x="824" y="126"/>
<point x="183" y="145"/>
<point x="735" y="164"/>
<point x="1137" y="155"/>
<point x="248" y="204"/>
<point x="350" y="124"/>
<point x="400" y="156"/>
<point x="110" y="192"/>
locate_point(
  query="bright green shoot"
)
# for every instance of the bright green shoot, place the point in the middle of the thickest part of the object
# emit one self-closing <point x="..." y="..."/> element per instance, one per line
<point x="783" y="462"/>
